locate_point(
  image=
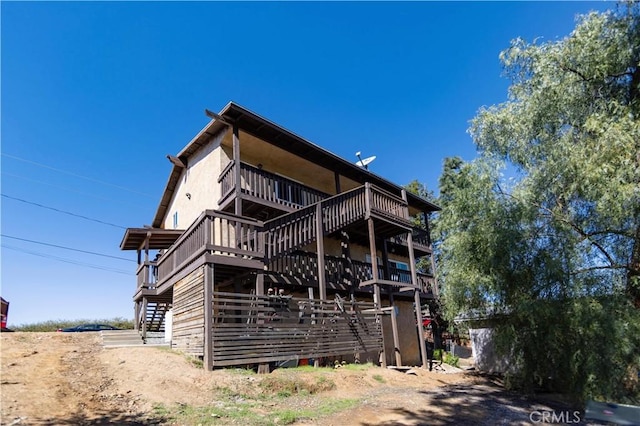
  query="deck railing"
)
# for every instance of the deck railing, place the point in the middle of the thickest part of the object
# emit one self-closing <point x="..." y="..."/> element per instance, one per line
<point x="420" y="239"/>
<point x="213" y="232"/>
<point x="297" y="229"/>
<point x="304" y="266"/>
<point x="388" y="205"/>
<point x="147" y="275"/>
<point x="268" y="186"/>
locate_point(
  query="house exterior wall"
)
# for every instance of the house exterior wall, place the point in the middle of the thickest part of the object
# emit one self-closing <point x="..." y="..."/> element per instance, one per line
<point x="200" y="181"/>
<point x="255" y="151"/>
<point x="407" y="334"/>
<point x="188" y="314"/>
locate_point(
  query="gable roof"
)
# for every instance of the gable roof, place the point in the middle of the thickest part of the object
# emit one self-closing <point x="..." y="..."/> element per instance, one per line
<point x="276" y="135"/>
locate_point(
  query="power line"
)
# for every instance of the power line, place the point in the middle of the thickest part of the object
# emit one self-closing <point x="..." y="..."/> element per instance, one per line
<point x="63" y="211"/>
<point x="62" y="259"/>
<point x="66" y="248"/>
<point x="58" y="186"/>
<point x="24" y="160"/>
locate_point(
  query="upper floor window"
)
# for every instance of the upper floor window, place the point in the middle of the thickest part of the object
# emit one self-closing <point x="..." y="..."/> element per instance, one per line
<point x="175" y="220"/>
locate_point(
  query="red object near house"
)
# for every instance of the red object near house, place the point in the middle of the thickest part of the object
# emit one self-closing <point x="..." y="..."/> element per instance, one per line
<point x="4" y="313"/>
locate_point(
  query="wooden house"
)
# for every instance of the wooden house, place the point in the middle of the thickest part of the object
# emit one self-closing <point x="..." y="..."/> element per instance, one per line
<point x="270" y="248"/>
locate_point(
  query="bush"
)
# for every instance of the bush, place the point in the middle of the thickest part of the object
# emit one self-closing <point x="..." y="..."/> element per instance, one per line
<point x="53" y="325"/>
<point x="451" y="359"/>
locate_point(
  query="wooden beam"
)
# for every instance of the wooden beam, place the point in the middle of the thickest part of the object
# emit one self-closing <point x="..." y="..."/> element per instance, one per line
<point x="416" y="293"/>
<point x="236" y="170"/>
<point x="208" y="316"/>
<point x="376" y="287"/>
<point x="394" y="329"/>
<point x="337" y="179"/>
<point x="144" y="319"/>
<point x="322" y="282"/>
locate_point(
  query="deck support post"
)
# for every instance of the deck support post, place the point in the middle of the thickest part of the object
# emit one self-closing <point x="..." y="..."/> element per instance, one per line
<point x="208" y="316"/>
<point x="416" y="292"/>
<point x="136" y="315"/>
<point x="144" y="319"/>
<point x="236" y="170"/>
<point x="264" y="367"/>
<point x="322" y="281"/>
<point x="394" y="329"/>
<point x="376" y="287"/>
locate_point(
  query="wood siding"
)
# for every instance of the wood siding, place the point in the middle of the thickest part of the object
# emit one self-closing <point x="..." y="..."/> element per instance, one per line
<point x="250" y="329"/>
<point x="188" y="314"/>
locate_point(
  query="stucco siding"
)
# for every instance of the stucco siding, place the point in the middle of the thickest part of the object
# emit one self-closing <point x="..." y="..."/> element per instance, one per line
<point x="198" y="189"/>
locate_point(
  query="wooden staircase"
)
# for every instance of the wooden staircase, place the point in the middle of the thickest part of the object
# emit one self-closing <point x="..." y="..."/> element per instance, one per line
<point x="294" y="230"/>
<point x="155" y="315"/>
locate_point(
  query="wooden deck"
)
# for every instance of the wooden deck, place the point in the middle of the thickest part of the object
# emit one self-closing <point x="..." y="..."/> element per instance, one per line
<point x="249" y="329"/>
<point x="221" y="249"/>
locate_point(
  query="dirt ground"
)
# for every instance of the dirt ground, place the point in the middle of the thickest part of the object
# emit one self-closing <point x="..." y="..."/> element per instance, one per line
<point x="69" y="379"/>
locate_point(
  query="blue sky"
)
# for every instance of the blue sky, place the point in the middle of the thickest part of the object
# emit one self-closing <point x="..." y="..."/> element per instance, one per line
<point x="95" y="95"/>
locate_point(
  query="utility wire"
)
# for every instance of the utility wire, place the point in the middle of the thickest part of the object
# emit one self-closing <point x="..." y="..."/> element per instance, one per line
<point x="66" y="248"/>
<point x="59" y="187"/>
<point x="24" y="160"/>
<point x="62" y="259"/>
<point x="63" y="211"/>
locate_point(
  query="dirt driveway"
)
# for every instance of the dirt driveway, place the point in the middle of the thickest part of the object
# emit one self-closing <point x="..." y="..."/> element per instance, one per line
<point x="69" y="379"/>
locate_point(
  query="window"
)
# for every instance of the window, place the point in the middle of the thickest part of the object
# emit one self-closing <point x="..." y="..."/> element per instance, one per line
<point x="399" y="265"/>
<point x="400" y="271"/>
<point x="175" y="220"/>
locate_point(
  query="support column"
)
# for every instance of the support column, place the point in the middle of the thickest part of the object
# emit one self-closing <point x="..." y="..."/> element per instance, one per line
<point x="136" y="315"/>
<point x="144" y="319"/>
<point x="208" y="316"/>
<point x="322" y="281"/>
<point x="386" y="273"/>
<point x="416" y="293"/>
<point x="236" y="170"/>
<point x="376" y="287"/>
<point x="396" y="335"/>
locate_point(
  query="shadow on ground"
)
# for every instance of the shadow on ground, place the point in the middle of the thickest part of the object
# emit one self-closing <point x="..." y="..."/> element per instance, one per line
<point x="102" y="418"/>
<point x="479" y="404"/>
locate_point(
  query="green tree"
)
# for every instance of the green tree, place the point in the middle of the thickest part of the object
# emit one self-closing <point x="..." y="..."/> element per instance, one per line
<point x="557" y="246"/>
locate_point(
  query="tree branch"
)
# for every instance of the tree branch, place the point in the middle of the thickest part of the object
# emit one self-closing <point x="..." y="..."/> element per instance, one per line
<point x="575" y="227"/>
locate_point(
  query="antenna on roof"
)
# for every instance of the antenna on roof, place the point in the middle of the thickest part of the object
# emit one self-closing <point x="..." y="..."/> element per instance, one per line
<point x="364" y="163"/>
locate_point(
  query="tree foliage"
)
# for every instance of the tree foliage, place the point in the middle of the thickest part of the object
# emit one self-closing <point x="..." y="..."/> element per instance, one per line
<point x="557" y="245"/>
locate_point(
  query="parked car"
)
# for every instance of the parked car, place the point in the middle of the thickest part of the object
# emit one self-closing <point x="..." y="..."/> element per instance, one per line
<point x="88" y="327"/>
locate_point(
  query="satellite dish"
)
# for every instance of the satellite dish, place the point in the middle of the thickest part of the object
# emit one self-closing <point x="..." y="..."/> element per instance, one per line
<point x="365" y="162"/>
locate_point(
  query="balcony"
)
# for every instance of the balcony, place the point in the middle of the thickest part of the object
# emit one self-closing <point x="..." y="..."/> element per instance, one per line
<point x="266" y="188"/>
<point x="421" y="241"/>
<point x="234" y="241"/>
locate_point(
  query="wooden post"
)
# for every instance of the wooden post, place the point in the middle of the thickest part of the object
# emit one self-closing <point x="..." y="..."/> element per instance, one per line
<point x="208" y="316"/>
<point x="236" y="170"/>
<point x="144" y="319"/>
<point x="394" y="328"/>
<point x="416" y="292"/>
<point x="386" y="273"/>
<point x="322" y="284"/>
<point x="146" y="246"/>
<point x="136" y="315"/>
<point x="337" y="179"/>
<point x="376" y="287"/>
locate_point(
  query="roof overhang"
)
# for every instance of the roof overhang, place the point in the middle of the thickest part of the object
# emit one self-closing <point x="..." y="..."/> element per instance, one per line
<point x="135" y="238"/>
<point x="260" y="127"/>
